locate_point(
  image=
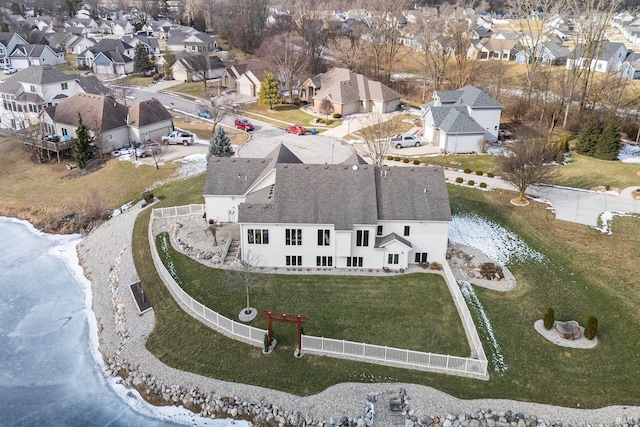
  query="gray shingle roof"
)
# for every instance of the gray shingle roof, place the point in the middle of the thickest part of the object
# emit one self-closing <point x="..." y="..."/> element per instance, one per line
<point x="98" y="112"/>
<point x="455" y="120"/>
<point x="382" y="241"/>
<point x="232" y="176"/>
<point x="468" y="95"/>
<point x="418" y="194"/>
<point x="282" y="154"/>
<point x="148" y="112"/>
<point x="317" y="194"/>
<point x="344" y="86"/>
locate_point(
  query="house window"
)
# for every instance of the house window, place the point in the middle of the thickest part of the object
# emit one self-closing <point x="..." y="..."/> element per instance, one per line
<point x="32" y="88"/>
<point x="362" y="238"/>
<point x="64" y="86"/>
<point x="421" y="257"/>
<point x="257" y="236"/>
<point x="406" y="230"/>
<point x="293" y="260"/>
<point x="379" y="232"/>
<point x="354" y="261"/>
<point x="323" y="238"/>
<point x="110" y="137"/>
<point x="293" y="237"/>
<point x="324" y="261"/>
<point x="64" y="132"/>
<point x="393" y="259"/>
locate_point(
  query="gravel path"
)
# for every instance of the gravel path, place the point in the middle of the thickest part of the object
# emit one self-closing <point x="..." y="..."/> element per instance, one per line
<point x="107" y="260"/>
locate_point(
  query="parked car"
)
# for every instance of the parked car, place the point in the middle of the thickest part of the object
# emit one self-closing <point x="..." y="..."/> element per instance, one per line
<point x="178" y="137"/>
<point x="10" y="70"/>
<point x="204" y="113"/>
<point x="404" y="140"/>
<point x="243" y="124"/>
<point x="152" y="148"/>
<point x="297" y="129"/>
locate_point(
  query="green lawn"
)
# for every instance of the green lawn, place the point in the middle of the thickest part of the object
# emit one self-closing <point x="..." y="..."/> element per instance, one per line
<point x="585" y="272"/>
<point x="354" y="308"/>
<point x="483" y="162"/>
<point x="287" y="114"/>
<point x="587" y="172"/>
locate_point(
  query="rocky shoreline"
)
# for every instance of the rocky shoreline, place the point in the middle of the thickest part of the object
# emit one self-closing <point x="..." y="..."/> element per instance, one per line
<point x="106" y="257"/>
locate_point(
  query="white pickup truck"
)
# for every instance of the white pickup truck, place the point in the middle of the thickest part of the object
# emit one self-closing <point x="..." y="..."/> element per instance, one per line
<point x="178" y="137"/>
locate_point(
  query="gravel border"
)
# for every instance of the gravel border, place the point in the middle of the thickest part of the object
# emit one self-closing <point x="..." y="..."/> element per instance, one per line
<point x="107" y="260"/>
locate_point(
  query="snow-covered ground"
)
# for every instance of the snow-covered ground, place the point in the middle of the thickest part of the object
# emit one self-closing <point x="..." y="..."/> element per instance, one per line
<point x="629" y="153"/>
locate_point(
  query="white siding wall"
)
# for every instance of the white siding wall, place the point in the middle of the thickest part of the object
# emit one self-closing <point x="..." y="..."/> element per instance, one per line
<point x="489" y="119"/>
<point x="429" y="237"/>
<point x="50" y="91"/>
<point x="220" y="208"/>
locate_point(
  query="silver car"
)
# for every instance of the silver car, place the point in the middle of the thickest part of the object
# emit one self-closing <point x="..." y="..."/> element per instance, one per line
<point x="404" y="140"/>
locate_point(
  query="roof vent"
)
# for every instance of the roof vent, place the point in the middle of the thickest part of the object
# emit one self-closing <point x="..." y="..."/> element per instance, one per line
<point x="285" y="166"/>
<point x="248" y="161"/>
<point x="411" y="169"/>
<point x="306" y="167"/>
<point x="262" y="161"/>
<point x="239" y="177"/>
<point x="354" y="167"/>
<point x="424" y="191"/>
<point x="233" y="160"/>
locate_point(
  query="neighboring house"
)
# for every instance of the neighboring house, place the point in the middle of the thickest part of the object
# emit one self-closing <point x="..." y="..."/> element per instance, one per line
<point x="103" y="115"/>
<point x="630" y="68"/>
<point x="27" y="92"/>
<point x="80" y="44"/>
<point x="121" y="27"/>
<point x="332" y="216"/>
<point x="148" y="120"/>
<point x="349" y="93"/>
<point x="150" y="44"/>
<point x="246" y="78"/>
<point x="111" y="63"/>
<point x="88" y="25"/>
<point x="190" y="40"/>
<point x="460" y="121"/>
<point x="603" y="59"/>
<point x="86" y="58"/>
<point x="190" y="67"/>
<point x="29" y="55"/>
<point x="548" y="53"/>
<point x="494" y="48"/>
<point x="8" y="42"/>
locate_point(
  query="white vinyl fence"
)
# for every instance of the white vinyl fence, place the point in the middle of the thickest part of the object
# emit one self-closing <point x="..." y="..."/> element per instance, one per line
<point x="464" y="366"/>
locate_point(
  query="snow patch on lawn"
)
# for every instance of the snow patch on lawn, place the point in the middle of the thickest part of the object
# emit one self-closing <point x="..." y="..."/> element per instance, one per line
<point x="497" y="359"/>
<point x="193" y="164"/>
<point x="492" y="239"/>
<point x="606" y="221"/>
<point x="629" y="153"/>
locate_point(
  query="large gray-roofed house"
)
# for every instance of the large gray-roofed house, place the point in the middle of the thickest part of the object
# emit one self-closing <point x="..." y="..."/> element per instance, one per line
<point x="149" y="120"/>
<point x="460" y="121"/>
<point x="294" y="214"/>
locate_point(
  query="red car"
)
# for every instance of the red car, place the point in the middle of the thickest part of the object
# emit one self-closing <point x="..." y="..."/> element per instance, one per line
<point x="243" y="124"/>
<point x="297" y="129"/>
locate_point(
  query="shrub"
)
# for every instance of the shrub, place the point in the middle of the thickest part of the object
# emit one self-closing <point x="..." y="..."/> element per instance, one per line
<point x="479" y="173"/>
<point x="267" y="342"/>
<point x="459" y="180"/>
<point x="483" y="185"/>
<point x="491" y="271"/>
<point x="337" y="116"/>
<point x="389" y="157"/>
<point x="405" y="160"/>
<point x="467" y="170"/>
<point x="148" y="197"/>
<point x="435" y="266"/>
<point x="549" y="318"/>
<point x="591" y="328"/>
<point x="490" y="174"/>
<point x="416" y="162"/>
<point x="396" y="158"/>
<point x="471" y="182"/>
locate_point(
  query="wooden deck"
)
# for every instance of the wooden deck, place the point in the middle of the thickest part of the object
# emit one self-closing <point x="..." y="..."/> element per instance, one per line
<point x="63" y="147"/>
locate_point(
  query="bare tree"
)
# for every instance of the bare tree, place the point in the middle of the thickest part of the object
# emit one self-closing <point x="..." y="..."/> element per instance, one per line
<point x="538" y="20"/>
<point x="247" y="275"/>
<point x="285" y="53"/>
<point x="309" y="21"/>
<point x="349" y="52"/>
<point x="526" y="164"/>
<point x="220" y="107"/>
<point x="375" y="137"/>
<point x="326" y="107"/>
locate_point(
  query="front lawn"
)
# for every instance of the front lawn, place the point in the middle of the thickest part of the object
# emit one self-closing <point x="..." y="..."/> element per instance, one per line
<point x="587" y="172"/>
<point x="287" y="114"/>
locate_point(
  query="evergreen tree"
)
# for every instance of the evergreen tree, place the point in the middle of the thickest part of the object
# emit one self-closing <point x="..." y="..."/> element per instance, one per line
<point x="141" y="60"/>
<point x="588" y="139"/>
<point x="610" y="141"/>
<point x="269" y="91"/>
<point x="82" y="147"/>
<point x="220" y="145"/>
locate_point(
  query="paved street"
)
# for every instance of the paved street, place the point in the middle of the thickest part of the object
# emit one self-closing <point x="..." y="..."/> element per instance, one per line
<point x="573" y="205"/>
